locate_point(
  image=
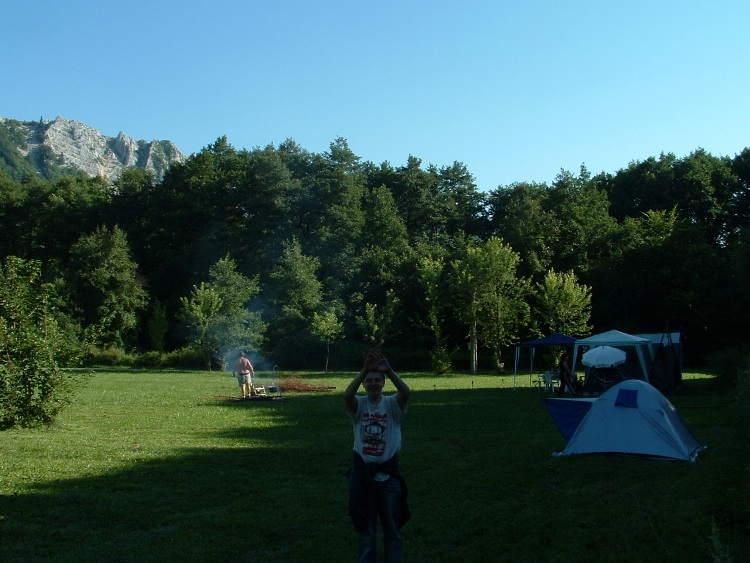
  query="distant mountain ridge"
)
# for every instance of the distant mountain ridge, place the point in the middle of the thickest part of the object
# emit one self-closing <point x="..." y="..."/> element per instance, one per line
<point x="51" y="148"/>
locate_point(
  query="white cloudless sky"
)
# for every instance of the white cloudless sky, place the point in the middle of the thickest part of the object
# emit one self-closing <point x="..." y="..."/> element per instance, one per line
<point x="515" y="90"/>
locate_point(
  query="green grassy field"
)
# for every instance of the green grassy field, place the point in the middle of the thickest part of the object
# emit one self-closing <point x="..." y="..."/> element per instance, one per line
<point x="148" y="466"/>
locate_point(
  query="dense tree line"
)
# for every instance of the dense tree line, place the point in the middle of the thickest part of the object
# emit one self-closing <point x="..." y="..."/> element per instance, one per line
<point x="307" y="258"/>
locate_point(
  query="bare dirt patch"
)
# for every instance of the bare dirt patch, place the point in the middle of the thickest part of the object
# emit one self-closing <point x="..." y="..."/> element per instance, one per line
<point x="292" y="382"/>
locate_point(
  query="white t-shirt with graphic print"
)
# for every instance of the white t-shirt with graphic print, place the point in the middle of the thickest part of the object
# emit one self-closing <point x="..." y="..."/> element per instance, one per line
<point x="377" y="428"/>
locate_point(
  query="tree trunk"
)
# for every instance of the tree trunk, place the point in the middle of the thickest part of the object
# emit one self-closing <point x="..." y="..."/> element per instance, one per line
<point x="473" y="347"/>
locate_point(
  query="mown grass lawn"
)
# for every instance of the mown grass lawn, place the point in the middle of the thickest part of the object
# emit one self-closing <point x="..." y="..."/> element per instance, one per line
<point x="161" y="466"/>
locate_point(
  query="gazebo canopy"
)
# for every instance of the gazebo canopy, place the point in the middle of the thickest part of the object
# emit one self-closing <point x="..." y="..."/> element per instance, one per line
<point x="617" y="339"/>
<point x="556" y="339"/>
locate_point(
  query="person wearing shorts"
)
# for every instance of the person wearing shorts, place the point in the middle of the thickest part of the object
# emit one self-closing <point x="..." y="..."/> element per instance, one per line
<point x="244" y="371"/>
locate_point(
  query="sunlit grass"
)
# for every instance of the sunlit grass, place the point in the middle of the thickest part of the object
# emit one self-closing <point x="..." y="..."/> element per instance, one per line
<point x="164" y="467"/>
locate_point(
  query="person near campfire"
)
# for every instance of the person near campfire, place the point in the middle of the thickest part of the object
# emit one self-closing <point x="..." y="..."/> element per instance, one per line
<point x="377" y="489"/>
<point x="244" y="372"/>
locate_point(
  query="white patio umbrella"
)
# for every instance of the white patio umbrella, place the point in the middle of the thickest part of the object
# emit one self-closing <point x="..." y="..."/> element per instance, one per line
<point x="604" y="357"/>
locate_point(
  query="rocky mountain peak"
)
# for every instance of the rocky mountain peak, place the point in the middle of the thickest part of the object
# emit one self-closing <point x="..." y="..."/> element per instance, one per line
<point x="81" y="147"/>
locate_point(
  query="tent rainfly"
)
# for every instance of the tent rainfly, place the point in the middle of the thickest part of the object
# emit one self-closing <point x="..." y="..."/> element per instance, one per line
<point x="631" y="418"/>
<point x="665" y="372"/>
<point x="617" y="339"/>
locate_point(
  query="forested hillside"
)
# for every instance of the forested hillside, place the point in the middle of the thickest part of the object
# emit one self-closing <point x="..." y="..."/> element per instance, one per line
<point x="304" y="257"/>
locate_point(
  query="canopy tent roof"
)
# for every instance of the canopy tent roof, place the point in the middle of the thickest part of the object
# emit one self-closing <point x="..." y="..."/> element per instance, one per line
<point x="617" y="339"/>
<point x="662" y="338"/>
<point x="556" y="339"/>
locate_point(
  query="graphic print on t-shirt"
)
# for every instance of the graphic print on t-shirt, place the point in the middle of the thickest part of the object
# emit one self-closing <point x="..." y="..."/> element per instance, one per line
<point x="373" y="434"/>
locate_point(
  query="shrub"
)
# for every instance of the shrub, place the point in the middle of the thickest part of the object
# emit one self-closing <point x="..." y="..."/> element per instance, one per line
<point x="728" y="363"/>
<point x="33" y="388"/>
<point x="188" y="357"/>
<point x="153" y="359"/>
<point x="440" y="360"/>
<point x="110" y="356"/>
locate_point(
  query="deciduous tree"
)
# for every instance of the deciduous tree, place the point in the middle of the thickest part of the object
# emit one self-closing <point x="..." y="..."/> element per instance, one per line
<point x="431" y="273"/>
<point x="328" y="328"/>
<point x="104" y="282"/>
<point x="489" y="297"/>
<point x="33" y="386"/>
<point x="219" y="316"/>
<point x="294" y="293"/>
<point x="563" y="305"/>
<point x="376" y="323"/>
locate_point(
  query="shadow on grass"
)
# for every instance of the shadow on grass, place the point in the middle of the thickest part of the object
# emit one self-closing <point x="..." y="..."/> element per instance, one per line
<point x="483" y="488"/>
<point x="255" y="500"/>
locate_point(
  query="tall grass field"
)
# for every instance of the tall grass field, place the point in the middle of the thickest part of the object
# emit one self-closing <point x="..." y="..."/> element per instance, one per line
<point x="163" y="466"/>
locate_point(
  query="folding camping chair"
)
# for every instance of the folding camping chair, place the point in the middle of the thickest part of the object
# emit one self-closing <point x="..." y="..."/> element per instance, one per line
<point x="538" y="382"/>
<point x="550" y="381"/>
<point x="602" y="379"/>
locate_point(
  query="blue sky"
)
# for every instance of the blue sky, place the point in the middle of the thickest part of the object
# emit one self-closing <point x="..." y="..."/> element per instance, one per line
<point x="516" y="90"/>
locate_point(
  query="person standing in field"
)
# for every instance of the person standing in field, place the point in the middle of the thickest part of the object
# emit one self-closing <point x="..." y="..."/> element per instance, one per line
<point x="244" y="371"/>
<point x="377" y="489"/>
<point x="566" y="376"/>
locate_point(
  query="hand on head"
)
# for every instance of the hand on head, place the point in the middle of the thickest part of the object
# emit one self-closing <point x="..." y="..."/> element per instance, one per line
<point x="376" y="361"/>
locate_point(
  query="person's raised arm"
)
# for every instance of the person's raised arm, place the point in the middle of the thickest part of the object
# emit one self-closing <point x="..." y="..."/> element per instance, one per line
<point x="401" y="387"/>
<point x="350" y="400"/>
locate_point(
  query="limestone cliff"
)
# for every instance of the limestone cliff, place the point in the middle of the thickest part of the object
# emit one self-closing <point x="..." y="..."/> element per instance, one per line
<point x="76" y="146"/>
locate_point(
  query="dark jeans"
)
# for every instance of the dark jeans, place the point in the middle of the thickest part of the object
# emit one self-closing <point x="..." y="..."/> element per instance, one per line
<point x="385" y="502"/>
